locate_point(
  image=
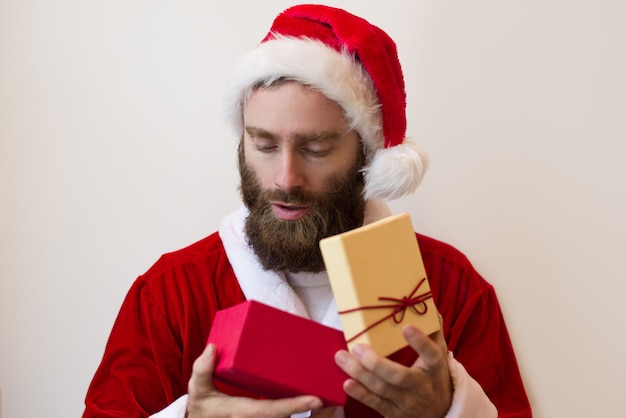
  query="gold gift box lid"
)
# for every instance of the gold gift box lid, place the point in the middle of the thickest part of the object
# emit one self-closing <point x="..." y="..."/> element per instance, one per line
<point x="378" y="278"/>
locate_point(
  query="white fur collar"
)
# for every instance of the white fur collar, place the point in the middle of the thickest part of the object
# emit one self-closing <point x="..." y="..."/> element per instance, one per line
<point x="271" y="287"/>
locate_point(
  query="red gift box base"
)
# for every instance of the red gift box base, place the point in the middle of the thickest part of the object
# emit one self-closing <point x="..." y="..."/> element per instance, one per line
<point x="275" y="354"/>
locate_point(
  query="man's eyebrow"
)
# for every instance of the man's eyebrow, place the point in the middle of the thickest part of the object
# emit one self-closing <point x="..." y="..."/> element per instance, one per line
<point x="259" y="133"/>
<point x="326" y="135"/>
<point x="317" y="136"/>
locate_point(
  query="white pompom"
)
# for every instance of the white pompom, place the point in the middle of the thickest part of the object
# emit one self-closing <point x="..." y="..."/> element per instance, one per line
<point x="396" y="171"/>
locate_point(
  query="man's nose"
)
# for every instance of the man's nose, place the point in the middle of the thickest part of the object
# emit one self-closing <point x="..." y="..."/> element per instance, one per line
<point x="290" y="174"/>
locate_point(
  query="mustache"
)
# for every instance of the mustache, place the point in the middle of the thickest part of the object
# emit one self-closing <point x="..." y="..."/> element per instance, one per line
<point x="292" y="197"/>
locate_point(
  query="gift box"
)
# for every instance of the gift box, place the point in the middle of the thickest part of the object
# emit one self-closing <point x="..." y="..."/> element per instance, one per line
<point x="275" y="354"/>
<point x="378" y="278"/>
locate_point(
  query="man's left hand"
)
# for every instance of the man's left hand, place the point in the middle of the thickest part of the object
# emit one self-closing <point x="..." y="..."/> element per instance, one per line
<point x="422" y="390"/>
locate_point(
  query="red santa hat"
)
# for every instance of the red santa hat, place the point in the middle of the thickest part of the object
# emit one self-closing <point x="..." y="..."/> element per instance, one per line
<point x="353" y="63"/>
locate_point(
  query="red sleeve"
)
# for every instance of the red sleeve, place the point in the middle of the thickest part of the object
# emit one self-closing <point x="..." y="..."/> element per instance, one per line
<point x="134" y="378"/>
<point x="479" y="339"/>
<point x="160" y="330"/>
<point x="474" y="327"/>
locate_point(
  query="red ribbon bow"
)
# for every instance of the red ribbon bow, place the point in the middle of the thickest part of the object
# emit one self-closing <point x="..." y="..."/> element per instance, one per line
<point x="418" y="303"/>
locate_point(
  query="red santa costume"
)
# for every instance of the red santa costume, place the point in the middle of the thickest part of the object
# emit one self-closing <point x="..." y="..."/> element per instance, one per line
<point x="165" y="319"/>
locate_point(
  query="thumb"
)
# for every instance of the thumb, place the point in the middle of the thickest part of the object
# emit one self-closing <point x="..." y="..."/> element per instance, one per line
<point x="201" y="382"/>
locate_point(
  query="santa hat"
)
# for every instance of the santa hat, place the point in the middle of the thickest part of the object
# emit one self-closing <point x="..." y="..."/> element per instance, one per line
<point x="353" y="63"/>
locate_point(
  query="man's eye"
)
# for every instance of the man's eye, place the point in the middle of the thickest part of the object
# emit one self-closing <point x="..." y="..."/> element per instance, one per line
<point x="317" y="152"/>
<point x="265" y="147"/>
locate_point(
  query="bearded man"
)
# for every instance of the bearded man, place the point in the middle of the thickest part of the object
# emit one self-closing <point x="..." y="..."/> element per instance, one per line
<point x="319" y="107"/>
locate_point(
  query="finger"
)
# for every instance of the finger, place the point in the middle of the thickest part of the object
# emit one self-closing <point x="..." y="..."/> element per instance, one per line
<point x="288" y="406"/>
<point x="248" y="407"/>
<point x="357" y="391"/>
<point x="383" y="376"/>
<point x="350" y="364"/>
<point x="370" y="372"/>
<point x="361" y="393"/>
<point x="201" y="381"/>
<point x="431" y="349"/>
<point x="327" y="412"/>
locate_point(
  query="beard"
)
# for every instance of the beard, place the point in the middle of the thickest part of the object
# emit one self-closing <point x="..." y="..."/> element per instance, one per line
<point x="294" y="245"/>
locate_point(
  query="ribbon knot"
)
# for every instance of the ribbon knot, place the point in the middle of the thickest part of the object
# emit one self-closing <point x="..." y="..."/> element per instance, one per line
<point x="399" y="307"/>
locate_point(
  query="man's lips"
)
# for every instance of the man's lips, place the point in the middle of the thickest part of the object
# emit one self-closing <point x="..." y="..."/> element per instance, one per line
<point x="289" y="212"/>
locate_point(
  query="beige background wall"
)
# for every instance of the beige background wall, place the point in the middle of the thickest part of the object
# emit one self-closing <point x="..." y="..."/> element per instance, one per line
<point x="112" y="151"/>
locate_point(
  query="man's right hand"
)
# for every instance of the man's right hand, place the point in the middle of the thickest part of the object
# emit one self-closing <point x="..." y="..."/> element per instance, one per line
<point x="206" y="401"/>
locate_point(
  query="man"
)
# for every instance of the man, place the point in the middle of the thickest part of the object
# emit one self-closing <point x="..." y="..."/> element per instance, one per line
<point x="319" y="106"/>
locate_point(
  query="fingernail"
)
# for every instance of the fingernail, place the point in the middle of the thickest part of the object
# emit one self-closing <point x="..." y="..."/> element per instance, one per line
<point x="210" y="351"/>
<point x="341" y="357"/>
<point x="410" y="331"/>
<point x="358" y="350"/>
<point x="315" y="403"/>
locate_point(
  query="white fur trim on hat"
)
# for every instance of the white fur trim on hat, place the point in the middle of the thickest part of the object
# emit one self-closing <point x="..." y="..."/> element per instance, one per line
<point x="389" y="172"/>
<point x="309" y="61"/>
